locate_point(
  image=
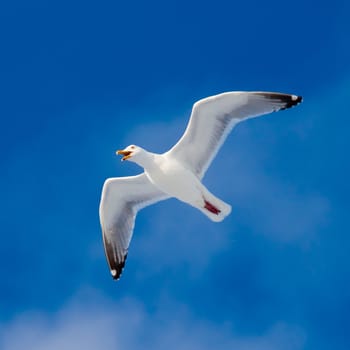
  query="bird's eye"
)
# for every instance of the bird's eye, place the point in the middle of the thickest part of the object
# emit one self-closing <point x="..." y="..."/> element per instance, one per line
<point x="132" y="147"/>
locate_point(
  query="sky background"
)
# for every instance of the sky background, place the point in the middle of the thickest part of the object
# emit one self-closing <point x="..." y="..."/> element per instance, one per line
<point x="79" y="80"/>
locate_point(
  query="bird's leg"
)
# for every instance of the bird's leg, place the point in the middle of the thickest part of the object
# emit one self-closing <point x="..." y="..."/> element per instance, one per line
<point x="211" y="208"/>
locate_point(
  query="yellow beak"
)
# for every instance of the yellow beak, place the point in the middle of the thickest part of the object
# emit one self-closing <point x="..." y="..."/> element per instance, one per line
<point x="126" y="154"/>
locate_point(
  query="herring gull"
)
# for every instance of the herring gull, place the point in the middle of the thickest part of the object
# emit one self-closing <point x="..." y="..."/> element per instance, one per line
<point x="178" y="172"/>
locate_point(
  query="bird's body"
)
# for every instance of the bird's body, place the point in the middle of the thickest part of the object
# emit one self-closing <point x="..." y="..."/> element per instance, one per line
<point x="178" y="172"/>
<point x="173" y="178"/>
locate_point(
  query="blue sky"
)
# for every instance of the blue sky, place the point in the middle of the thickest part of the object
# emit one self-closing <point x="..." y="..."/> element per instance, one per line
<point x="80" y="80"/>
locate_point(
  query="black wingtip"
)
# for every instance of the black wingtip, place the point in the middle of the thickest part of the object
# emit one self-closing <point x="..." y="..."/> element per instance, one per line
<point x="117" y="269"/>
<point x="284" y="101"/>
<point x="291" y="101"/>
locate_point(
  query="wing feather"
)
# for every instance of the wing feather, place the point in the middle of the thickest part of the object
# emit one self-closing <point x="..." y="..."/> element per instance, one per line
<point x="214" y="117"/>
<point x="120" y="201"/>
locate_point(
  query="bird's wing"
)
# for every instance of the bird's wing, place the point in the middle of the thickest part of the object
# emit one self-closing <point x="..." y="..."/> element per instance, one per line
<point x="213" y="118"/>
<point x="121" y="199"/>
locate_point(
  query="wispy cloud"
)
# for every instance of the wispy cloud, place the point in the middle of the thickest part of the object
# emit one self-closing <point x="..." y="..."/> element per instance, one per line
<point x="93" y="323"/>
<point x="264" y="200"/>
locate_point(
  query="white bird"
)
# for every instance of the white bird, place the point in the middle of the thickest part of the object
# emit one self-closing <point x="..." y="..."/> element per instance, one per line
<point x="178" y="172"/>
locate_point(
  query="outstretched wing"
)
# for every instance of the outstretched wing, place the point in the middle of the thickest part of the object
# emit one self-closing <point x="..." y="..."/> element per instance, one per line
<point x="213" y="118"/>
<point x="121" y="198"/>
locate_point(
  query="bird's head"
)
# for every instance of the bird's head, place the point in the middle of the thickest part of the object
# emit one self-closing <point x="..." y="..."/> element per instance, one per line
<point x="131" y="153"/>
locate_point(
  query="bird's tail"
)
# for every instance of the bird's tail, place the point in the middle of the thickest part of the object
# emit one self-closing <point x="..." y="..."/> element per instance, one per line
<point x="214" y="208"/>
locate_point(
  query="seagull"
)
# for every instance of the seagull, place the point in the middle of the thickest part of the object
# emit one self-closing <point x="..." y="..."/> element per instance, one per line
<point x="179" y="171"/>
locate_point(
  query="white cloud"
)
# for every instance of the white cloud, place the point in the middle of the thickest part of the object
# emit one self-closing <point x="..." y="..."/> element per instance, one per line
<point x="92" y="323"/>
<point x="174" y="235"/>
<point x="267" y="203"/>
<point x="158" y="136"/>
<point x="79" y="325"/>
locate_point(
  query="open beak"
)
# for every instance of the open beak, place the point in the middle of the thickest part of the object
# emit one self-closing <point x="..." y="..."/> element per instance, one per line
<point x="126" y="154"/>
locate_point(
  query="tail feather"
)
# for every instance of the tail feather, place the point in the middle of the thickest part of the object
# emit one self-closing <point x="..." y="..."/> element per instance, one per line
<point x="214" y="208"/>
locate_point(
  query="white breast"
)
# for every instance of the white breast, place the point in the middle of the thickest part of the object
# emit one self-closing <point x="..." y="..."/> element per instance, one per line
<point x="174" y="179"/>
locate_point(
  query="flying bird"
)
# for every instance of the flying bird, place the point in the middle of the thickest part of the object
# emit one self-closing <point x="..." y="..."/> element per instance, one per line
<point x="179" y="171"/>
